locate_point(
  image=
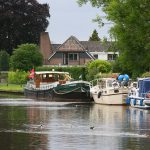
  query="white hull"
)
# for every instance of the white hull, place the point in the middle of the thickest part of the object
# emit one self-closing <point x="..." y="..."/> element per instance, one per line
<point x="110" y="99"/>
<point x="136" y="103"/>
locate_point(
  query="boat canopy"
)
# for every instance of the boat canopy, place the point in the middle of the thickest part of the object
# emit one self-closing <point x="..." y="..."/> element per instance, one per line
<point x="51" y="72"/>
<point x="51" y="76"/>
<point x="144" y="86"/>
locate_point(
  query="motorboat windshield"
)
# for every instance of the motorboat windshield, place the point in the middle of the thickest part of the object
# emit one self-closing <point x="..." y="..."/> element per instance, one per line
<point x="144" y="86"/>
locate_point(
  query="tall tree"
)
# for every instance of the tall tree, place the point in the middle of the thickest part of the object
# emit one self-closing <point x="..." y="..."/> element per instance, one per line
<point x="21" y="21"/>
<point x="131" y="31"/>
<point x="25" y="57"/>
<point x="94" y="36"/>
<point x="4" y="61"/>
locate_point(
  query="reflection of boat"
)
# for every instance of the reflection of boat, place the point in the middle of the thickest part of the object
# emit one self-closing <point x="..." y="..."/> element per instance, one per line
<point x="139" y="94"/>
<point x="57" y="86"/>
<point x="109" y="91"/>
<point x="104" y="114"/>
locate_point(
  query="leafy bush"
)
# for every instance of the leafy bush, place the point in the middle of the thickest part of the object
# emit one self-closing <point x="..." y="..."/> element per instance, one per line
<point x="18" y="77"/>
<point x="25" y="57"/>
<point x="145" y="75"/>
<point x="97" y="66"/>
<point x="3" y="77"/>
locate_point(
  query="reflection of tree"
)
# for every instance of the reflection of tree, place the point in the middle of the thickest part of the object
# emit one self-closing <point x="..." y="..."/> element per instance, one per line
<point x="12" y="118"/>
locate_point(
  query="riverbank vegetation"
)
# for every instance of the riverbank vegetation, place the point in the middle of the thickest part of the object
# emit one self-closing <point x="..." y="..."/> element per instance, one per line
<point x="130" y="32"/>
<point x="26" y="56"/>
<point x="11" y="87"/>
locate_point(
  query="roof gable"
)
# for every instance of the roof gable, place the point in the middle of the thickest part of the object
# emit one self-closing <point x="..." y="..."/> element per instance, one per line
<point x="71" y="44"/>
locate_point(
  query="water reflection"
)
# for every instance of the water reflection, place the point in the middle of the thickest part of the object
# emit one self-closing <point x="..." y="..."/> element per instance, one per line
<point x="72" y="126"/>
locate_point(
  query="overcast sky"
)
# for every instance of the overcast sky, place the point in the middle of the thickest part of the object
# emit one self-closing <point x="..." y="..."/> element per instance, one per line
<point x="67" y="19"/>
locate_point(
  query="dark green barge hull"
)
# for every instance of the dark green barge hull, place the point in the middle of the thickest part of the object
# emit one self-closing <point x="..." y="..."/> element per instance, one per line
<point x="62" y="93"/>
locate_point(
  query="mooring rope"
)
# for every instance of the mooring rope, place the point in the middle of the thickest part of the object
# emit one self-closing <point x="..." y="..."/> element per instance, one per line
<point x="66" y="92"/>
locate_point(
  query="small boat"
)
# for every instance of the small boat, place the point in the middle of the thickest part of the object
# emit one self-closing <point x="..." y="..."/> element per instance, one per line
<point x="109" y="91"/>
<point x="57" y="86"/>
<point x="139" y="94"/>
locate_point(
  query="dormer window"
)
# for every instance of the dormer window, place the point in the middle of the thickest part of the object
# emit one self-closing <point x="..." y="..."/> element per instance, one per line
<point x="73" y="56"/>
<point x="95" y="56"/>
<point x="112" y="56"/>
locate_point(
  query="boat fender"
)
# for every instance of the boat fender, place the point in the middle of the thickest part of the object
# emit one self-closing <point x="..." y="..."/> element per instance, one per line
<point x="134" y="101"/>
<point x="128" y="101"/>
<point x="141" y="102"/>
<point x="116" y="91"/>
<point x="99" y="94"/>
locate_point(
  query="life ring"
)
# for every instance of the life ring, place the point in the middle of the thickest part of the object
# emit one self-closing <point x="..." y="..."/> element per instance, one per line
<point x="115" y="84"/>
<point x="99" y="94"/>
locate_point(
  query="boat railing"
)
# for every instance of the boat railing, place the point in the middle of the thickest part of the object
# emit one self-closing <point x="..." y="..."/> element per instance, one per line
<point x="109" y="83"/>
<point x="97" y="82"/>
<point x="31" y="85"/>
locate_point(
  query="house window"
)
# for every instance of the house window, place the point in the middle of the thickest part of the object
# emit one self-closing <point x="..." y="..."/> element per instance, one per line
<point x="112" y="56"/>
<point x="73" y="56"/>
<point x="95" y="56"/>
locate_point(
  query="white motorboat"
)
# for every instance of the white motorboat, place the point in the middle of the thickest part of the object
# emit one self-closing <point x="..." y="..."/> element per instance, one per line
<point x="108" y="91"/>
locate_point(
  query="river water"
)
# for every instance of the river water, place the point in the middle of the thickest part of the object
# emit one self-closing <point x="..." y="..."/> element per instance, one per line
<point x="31" y="125"/>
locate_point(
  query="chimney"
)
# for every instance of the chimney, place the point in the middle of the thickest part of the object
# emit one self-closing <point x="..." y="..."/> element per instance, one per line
<point x="45" y="47"/>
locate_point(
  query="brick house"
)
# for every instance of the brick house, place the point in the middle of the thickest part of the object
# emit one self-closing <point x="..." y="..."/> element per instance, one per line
<point x="73" y="52"/>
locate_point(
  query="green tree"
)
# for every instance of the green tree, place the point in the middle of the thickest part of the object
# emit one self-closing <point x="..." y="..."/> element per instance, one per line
<point x="97" y="66"/>
<point x="131" y="30"/>
<point x="21" y="21"/>
<point x="4" y="61"/>
<point x="94" y="36"/>
<point x="25" y="57"/>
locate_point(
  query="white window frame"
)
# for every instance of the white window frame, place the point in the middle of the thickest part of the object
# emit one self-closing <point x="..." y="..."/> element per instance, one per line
<point x="73" y="57"/>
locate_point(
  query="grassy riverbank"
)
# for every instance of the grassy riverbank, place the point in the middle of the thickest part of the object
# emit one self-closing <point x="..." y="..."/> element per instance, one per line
<point x="11" y="91"/>
<point x="11" y="87"/>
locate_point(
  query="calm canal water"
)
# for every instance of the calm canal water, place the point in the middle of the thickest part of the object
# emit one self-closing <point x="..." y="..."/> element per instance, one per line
<point x="30" y="125"/>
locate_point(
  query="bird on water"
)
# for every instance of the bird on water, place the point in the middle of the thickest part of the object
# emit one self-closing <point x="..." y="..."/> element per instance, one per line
<point x="92" y="128"/>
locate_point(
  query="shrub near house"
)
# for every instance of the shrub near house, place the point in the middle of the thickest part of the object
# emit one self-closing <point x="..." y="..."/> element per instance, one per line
<point x="97" y="66"/>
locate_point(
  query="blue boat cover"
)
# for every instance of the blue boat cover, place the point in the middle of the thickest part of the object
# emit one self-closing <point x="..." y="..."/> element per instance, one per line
<point x="144" y="86"/>
<point x="120" y="77"/>
<point x="123" y="77"/>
